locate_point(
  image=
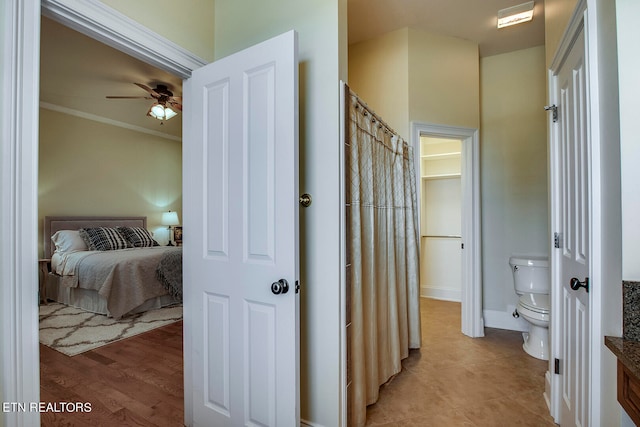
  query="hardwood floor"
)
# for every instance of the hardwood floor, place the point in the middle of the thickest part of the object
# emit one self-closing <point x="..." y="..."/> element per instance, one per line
<point x="134" y="382"/>
<point x="453" y="380"/>
<point x="457" y="381"/>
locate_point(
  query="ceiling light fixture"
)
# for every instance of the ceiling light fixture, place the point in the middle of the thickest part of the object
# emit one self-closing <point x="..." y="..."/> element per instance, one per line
<point x="515" y="14"/>
<point x="161" y="112"/>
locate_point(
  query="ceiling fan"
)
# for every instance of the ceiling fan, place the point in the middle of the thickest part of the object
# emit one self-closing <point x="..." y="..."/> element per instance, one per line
<point x="166" y="105"/>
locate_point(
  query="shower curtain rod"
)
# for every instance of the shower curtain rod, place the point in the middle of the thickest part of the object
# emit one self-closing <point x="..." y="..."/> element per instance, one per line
<point x="368" y="110"/>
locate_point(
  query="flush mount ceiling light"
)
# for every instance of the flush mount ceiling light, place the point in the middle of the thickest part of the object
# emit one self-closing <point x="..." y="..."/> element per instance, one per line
<point x="515" y="14"/>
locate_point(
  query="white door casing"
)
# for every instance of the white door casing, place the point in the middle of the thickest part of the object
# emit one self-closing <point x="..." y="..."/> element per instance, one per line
<point x="570" y="159"/>
<point x="241" y="216"/>
<point x="19" y="34"/>
<point x="472" y="321"/>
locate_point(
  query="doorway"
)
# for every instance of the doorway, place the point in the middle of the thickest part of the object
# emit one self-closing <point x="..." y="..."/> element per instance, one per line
<point x="470" y="274"/>
<point x="440" y="219"/>
<point x="19" y="190"/>
<point x="112" y="157"/>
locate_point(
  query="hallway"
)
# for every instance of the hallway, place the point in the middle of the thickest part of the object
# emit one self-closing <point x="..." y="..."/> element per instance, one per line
<point x="459" y="381"/>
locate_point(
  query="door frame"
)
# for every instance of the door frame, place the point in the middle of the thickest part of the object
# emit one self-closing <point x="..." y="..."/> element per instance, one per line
<point x="19" y="111"/>
<point x="472" y="317"/>
<point x="584" y="16"/>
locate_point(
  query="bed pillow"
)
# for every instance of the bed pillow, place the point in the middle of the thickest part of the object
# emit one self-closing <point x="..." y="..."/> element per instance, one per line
<point x="103" y="239"/>
<point x="68" y="241"/>
<point x="138" y="237"/>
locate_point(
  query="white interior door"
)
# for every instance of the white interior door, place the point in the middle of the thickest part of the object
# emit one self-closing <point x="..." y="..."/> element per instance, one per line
<point x="241" y="238"/>
<point x="573" y="192"/>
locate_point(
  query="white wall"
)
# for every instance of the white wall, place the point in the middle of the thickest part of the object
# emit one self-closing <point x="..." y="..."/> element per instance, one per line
<point x="441" y="257"/>
<point x="441" y="215"/>
<point x="628" y="12"/>
<point x="513" y="168"/>
<point x="318" y="23"/>
<point x="623" y="17"/>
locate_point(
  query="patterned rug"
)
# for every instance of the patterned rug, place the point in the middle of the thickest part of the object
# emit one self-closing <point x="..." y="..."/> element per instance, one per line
<point x="73" y="331"/>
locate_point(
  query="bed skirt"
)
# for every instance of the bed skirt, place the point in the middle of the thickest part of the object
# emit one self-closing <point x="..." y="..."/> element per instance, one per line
<point x="90" y="300"/>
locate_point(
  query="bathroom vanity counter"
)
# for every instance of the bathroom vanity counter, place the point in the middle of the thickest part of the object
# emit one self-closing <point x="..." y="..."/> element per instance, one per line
<point x="628" y="354"/>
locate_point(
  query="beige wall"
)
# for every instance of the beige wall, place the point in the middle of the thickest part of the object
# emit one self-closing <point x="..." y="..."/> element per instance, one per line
<point x="411" y="75"/>
<point x="319" y="25"/>
<point x="379" y="74"/>
<point x="513" y="141"/>
<point x="91" y="168"/>
<point x="556" y="17"/>
<point x="443" y="80"/>
<point x="187" y="23"/>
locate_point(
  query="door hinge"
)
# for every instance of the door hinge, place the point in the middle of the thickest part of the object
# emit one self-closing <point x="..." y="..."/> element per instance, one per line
<point x="554" y="109"/>
<point x="556" y="366"/>
<point x="557" y="240"/>
<point x="297" y="287"/>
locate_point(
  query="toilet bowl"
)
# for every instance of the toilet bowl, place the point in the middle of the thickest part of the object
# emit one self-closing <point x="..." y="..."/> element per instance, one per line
<point x="534" y="308"/>
<point x="531" y="282"/>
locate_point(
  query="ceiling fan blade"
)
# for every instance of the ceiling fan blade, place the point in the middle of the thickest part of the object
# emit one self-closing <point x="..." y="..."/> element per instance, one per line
<point x="148" y="89"/>
<point x="129" y="97"/>
<point x="176" y="105"/>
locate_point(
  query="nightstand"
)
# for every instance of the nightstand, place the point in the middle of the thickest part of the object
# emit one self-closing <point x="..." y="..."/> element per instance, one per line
<point x="44" y="265"/>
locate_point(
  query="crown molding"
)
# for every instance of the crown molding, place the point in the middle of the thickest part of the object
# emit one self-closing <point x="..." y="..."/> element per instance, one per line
<point x="107" y="121"/>
<point x="99" y="21"/>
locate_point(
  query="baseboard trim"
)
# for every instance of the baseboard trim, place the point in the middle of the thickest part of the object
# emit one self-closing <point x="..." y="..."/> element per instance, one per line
<point x="547" y="390"/>
<point x="305" y="423"/>
<point x="504" y="320"/>
<point x="446" y="294"/>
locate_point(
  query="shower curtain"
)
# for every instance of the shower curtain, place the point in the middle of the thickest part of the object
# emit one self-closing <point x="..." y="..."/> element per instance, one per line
<point x="382" y="254"/>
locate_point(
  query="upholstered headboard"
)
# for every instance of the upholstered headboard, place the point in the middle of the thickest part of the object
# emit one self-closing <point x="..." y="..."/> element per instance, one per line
<point x="52" y="224"/>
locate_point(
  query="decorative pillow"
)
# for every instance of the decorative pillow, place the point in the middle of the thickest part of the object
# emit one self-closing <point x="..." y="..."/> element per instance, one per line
<point x="103" y="239"/>
<point x="138" y="237"/>
<point x="68" y="241"/>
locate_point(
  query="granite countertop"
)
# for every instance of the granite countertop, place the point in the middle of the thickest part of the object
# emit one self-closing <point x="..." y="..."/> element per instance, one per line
<point x="627" y="351"/>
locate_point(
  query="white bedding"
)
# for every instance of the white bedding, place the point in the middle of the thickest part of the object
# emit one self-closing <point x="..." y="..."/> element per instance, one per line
<point x="125" y="278"/>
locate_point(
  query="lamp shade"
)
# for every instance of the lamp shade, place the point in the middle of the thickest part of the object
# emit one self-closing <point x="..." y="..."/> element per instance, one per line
<point x="170" y="218"/>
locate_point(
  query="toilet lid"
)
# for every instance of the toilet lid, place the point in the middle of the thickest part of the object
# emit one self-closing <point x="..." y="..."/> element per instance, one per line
<point x="539" y="303"/>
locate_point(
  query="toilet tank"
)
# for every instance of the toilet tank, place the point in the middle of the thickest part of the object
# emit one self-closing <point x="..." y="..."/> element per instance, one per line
<point x="530" y="274"/>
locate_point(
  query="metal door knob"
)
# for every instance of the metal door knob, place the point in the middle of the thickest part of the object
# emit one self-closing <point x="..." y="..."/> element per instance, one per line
<point x="576" y="284"/>
<point x="280" y="287"/>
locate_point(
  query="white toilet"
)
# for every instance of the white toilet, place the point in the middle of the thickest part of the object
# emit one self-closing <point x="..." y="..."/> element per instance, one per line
<point x="531" y="282"/>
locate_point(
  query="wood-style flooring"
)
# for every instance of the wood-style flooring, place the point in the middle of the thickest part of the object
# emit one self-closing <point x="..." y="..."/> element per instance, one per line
<point x="134" y="382"/>
<point x="457" y="381"/>
<point x="453" y="380"/>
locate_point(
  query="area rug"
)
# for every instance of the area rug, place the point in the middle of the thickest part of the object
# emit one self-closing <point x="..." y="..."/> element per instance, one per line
<point x="72" y="331"/>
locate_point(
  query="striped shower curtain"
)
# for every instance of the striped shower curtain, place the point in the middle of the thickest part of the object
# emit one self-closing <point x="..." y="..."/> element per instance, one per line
<point x="382" y="255"/>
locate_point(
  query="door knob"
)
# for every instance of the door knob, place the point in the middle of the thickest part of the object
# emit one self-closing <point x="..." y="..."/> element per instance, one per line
<point x="280" y="287"/>
<point x="576" y="284"/>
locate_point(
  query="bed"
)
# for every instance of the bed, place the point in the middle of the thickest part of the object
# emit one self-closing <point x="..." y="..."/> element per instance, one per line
<point x="117" y="282"/>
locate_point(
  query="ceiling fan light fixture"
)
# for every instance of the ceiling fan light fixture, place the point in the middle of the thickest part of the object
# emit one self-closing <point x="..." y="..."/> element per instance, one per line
<point x="161" y="112"/>
<point x="515" y="14"/>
